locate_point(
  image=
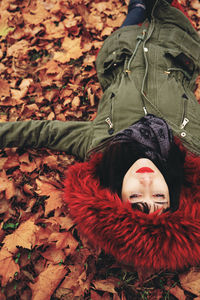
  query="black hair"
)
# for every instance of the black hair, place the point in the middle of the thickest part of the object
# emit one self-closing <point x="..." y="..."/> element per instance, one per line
<point x="118" y="158"/>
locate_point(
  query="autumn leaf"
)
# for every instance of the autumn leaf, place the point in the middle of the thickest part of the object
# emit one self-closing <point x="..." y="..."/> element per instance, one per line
<point x="55" y="199"/>
<point x="64" y="240"/>
<point x="54" y="255"/>
<point x="6" y="185"/>
<point x="72" y="50"/>
<point x="47" y="282"/>
<point x="25" y="164"/>
<point x="76" y="281"/>
<point x="190" y="281"/>
<point x="4" y="88"/>
<point x="64" y="222"/>
<point x="24" y="236"/>
<point x="8" y="268"/>
<point x="177" y="292"/>
<point x="107" y="285"/>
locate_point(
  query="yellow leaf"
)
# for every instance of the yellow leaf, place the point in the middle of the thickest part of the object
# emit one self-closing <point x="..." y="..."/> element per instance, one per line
<point x="4" y="29"/>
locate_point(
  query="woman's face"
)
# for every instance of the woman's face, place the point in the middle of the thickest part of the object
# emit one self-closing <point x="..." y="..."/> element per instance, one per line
<point x="144" y="183"/>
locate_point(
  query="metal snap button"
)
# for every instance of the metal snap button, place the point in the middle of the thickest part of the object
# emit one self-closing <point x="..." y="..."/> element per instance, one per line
<point x="183" y="134"/>
<point x="115" y="65"/>
<point x="114" y="52"/>
<point x="146" y="49"/>
<point x="111" y="131"/>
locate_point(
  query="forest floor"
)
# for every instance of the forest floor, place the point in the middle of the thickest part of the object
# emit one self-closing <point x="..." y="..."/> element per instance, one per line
<point x="47" y="71"/>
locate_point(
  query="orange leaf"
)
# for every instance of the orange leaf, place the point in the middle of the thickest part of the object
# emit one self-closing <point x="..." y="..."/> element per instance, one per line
<point x="6" y="185"/>
<point x="54" y="255"/>
<point x="177" y="292"/>
<point x="55" y="199"/>
<point x="47" y="282"/>
<point x="72" y="50"/>
<point x="8" y="267"/>
<point x="107" y="285"/>
<point x="63" y="240"/>
<point x="24" y="236"/>
<point x="4" y="88"/>
<point x="191" y="281"/>
<point x="76" y="280"/>
<point x="37" y="15"/>
<point x="76" y="102"/>
<point x="64" y="222"/>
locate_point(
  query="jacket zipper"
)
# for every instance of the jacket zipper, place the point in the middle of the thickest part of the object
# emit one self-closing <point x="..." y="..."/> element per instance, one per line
<point x="110" y="124"/>
<point x="185" y="120"/>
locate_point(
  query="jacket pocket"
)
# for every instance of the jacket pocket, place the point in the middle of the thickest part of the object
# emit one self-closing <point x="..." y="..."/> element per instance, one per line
<point x="180" y="62"/>
<point x="113" y="66"/>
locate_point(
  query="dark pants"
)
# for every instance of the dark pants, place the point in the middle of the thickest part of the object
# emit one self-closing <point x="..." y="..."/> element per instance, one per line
<point x="136" y="14"/>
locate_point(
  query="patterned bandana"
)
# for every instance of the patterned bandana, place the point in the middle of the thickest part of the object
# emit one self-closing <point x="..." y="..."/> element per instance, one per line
<point x="153" y="133"/>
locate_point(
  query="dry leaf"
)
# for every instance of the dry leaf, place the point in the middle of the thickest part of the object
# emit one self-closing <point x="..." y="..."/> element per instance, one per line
<point x="191" y="281"/>
<point x="107" y="285"/>
<point x="54" y="255"/>
<point x="4" y="88"/>
<point x="47" y="282"/>
<point x="8" y="267"/>
<point x="177" y="292"/>
<point x="55" y="199"/>
<point x="6" y="185"/>
<point x="24" y="236"/>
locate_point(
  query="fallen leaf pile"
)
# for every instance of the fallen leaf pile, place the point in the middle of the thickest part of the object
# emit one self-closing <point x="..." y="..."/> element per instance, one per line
<point x="47" y="71"/>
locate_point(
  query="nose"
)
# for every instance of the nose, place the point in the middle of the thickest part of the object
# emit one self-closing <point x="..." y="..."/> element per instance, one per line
<point x="146" y="179"/>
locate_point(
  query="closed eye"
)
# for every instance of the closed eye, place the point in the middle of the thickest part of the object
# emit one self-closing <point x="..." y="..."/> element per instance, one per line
<point x="159" y="196"/>
<point x="133" y="196"/>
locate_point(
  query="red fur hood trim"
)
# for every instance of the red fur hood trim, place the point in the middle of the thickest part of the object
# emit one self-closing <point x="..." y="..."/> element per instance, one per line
<point x="167" y="241"/>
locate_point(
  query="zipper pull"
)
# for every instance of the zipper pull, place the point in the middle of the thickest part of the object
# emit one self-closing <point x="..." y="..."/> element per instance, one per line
<point x="145" y="110"/>
<point x="185" y="121"/>
<point x="110" y="124"/>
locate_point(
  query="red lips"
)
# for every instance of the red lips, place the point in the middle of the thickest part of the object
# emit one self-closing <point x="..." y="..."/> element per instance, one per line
<point x="145" y="170"/>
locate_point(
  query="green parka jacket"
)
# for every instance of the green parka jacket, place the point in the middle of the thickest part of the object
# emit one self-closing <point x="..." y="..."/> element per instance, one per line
<point x="142" y="69"/>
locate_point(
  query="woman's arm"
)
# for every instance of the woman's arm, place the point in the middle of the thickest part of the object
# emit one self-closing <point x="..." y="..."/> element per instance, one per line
<point x="71" y="136"/>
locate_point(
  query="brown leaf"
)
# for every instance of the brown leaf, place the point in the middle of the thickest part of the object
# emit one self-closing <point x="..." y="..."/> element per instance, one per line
<point x="76" y="280"/>
<point x="25" y="164"/>
<point x="6" y="185"/>
<point x="72" y="50"/>
<point x="107" y="285"/>
<point x="4" y="88"/>
<point x="54" y="255"/>
<point x="64" y="240"/>
<point x="190" y="281"/>
<point x="24" y="236"/>
<point x="177" y="292"/>
<point x="47" y="282"/>
<point x="37" y="15"/>
<point x="64" y="222"/>
<point x="76" y="102"/>
<point x="55" y="199"/>
<point x="8" y="267"/>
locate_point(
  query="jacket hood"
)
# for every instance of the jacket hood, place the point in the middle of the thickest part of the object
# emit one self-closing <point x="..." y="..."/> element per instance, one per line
<point x="151" y="241"/>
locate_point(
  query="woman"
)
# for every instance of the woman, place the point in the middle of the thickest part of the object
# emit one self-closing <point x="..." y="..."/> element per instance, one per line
<point x="148" y="73"/>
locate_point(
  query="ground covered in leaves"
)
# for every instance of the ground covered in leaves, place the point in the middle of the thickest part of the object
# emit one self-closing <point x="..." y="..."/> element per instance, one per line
<point x="47" y="71"/>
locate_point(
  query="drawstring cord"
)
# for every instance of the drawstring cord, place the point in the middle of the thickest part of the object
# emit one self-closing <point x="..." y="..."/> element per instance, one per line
<point x="140" y="38"/>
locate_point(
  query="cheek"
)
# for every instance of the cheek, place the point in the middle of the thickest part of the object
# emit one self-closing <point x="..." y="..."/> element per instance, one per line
<point x="129" y="186"/>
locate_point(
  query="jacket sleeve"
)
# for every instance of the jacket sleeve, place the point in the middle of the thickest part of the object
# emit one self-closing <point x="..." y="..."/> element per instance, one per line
<point x="73" y="137"/>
